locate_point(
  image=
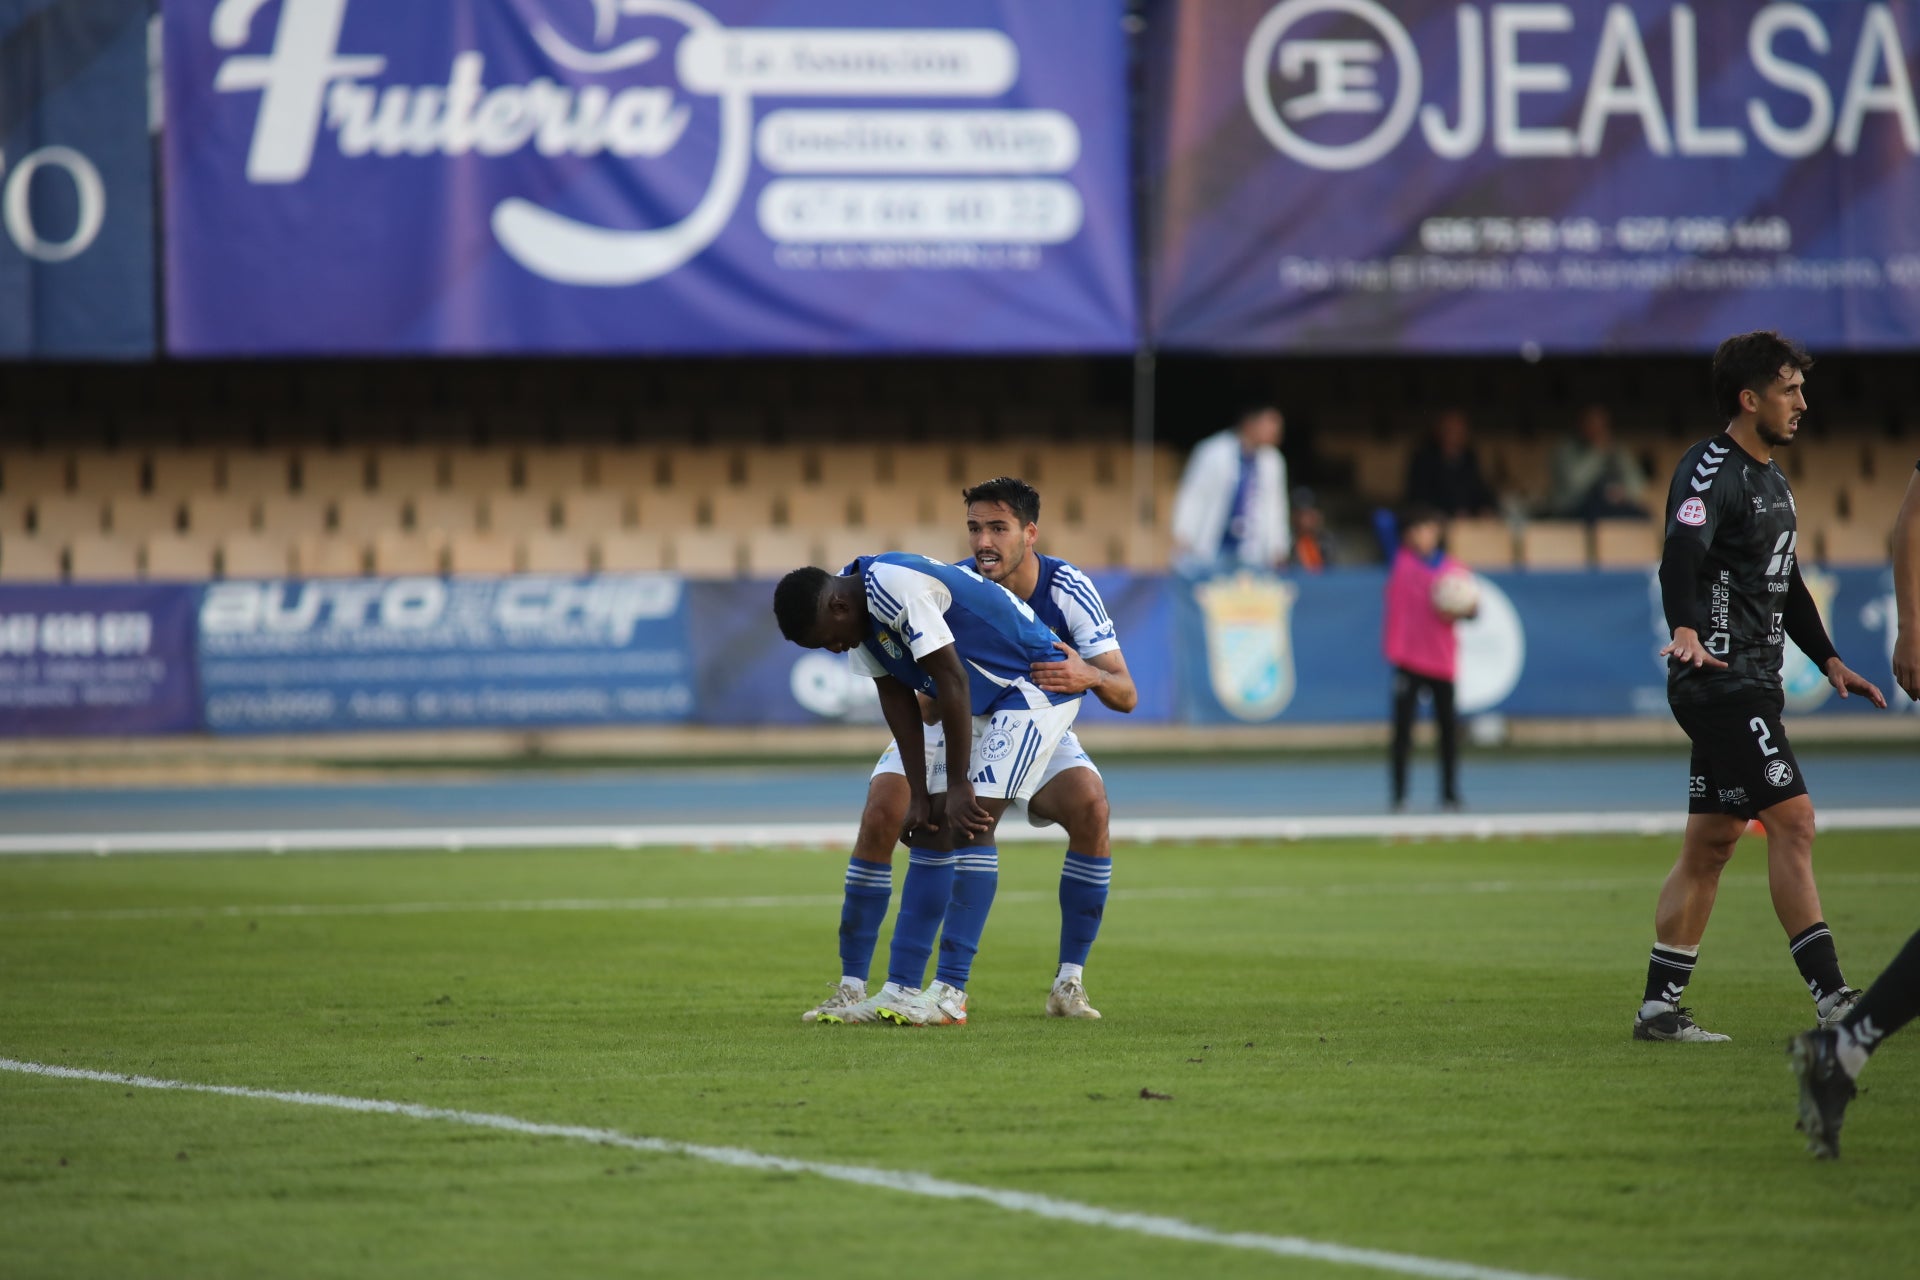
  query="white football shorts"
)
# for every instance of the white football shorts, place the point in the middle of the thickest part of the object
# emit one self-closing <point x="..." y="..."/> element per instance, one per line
<point x="1016" y="748"/>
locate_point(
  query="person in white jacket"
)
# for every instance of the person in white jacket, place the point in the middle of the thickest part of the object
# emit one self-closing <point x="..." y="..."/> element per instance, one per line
<point x="1232" y="506"/>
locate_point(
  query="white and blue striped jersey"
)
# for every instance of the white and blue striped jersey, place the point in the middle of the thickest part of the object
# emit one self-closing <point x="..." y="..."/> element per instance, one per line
<point x="1067" y="601"/>
<point x="917" y="605"/>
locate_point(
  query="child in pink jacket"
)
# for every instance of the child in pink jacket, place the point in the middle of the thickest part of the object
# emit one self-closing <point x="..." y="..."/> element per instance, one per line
<point x="1422" y="649"/>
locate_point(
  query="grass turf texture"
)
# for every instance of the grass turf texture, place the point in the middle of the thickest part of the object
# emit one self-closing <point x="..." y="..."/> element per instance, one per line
<point x="1415" y="1047"/>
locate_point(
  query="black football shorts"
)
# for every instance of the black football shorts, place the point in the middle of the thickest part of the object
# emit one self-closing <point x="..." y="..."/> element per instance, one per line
<point x="1742" y="763"/>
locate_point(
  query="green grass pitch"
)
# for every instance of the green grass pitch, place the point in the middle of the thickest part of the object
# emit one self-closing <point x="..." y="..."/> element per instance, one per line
<point x="1413" y="1047"/>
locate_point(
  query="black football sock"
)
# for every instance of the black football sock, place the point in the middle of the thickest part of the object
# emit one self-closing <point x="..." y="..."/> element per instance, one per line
<point x="1890" y="1003"/>
<point x="1667" y="973"/>
<point x="1819" y="963"/>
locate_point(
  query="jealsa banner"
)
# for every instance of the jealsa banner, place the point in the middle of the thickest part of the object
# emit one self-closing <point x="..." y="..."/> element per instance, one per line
<point x="1434" y="176"/>
<point x="647" y="175"/>
<point x="411" y="653"/>
<point x="76" y="179"/>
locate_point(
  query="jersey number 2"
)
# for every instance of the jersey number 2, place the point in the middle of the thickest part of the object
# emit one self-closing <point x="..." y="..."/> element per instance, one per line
<point x="1765" y="735"/>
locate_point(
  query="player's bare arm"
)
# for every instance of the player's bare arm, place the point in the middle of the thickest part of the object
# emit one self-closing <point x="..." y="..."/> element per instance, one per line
<point x="1105" y="675"/>
<point x="953" y="700"/>
<point x="1906" y="591"/>
<point x="902" y="712"/>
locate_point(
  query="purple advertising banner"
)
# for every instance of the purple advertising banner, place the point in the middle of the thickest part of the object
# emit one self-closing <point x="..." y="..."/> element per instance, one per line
<point x="647" y="175"/>
<point x="1435" y="176"/>
<point x="97" y="660"/>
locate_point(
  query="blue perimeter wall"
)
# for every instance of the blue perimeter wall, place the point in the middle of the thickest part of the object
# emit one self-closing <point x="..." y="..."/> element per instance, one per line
<point x="414" y="653"/>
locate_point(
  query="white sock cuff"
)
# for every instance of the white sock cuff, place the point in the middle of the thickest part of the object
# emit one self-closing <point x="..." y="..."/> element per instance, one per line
<point x="1693" y="951"/>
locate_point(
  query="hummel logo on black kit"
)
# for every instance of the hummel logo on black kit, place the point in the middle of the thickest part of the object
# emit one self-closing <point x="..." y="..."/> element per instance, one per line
<point x="1709" y="467"/>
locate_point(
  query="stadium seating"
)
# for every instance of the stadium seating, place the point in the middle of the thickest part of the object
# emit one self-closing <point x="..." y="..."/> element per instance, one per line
<point x="321" y="555"/>
<point x="1483" y="543"/>
<point x="473" y="553"/>
<point x="556" y="551"/>
<point x="1847" y="542"/>
<point x="107" y="473"/>
<point x="403" y="551"/>
<point x="33" y="473"/>
<point x="706" y="553"/>
<point x="95" y="557"/>
<point x="631" y="551"/>
<point x="1554" y="544"/>
<point x="136" y="516"/>
<point x="179" y="472"/>
<point x="294" y="515"/>
<point x="257" y="473"/>
<point x="1621" y="544"/>
<point x="251" y="555"/>
<point x="66" y="516"/>
<point x="217" y="514"/>
<point x="178" y="557"/>
<point x="24" y="559"/>
<point x="329" y="473"/>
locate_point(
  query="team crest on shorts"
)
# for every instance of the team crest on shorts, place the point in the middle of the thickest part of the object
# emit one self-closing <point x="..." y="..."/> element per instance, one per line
<point x="1249" y="643"/>
<point x="1779" y="773"/>
<point x="997" y="746"/>
<point x="1692" y="512"/>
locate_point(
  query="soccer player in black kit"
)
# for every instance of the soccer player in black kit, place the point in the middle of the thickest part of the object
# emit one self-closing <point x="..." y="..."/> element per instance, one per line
<point x="1733" y="594"/>
<point x="1828" y="1058"/>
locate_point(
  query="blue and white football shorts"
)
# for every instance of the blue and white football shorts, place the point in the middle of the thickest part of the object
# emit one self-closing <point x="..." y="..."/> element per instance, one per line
<point x="1016" y="752"/>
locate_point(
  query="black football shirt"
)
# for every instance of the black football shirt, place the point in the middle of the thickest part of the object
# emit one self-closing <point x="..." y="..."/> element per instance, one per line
<point x="1741" y="511"/>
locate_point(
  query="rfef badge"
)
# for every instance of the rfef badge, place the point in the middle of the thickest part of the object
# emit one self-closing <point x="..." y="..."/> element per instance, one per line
<point x="1249" y="622"/>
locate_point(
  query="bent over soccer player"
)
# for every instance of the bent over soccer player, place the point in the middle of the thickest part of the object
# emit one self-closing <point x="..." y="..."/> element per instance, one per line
<point x="1733" y="594"/>
<point x="917" y="625"/>
<point x="1002" y="525"/>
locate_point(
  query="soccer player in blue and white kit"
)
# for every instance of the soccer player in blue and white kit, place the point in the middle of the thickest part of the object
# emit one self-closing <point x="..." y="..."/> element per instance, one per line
<point x="1002" y="526"/>
<point x="917" y="625"/>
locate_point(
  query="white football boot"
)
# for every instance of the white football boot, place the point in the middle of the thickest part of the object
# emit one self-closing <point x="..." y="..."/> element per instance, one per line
<point x="869" y="1009"/>
<point x="1068" y="999"/>
<point x="1843" y="1002"/>
<point x="844" y="996"/>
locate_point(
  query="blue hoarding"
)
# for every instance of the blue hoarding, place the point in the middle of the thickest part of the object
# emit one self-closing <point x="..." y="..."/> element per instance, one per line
<point x="411" y="653"/>
<point x="76" y="179"/>
<point x="647" y="175"/>
<point x="97" y="660"/>
<point x="1347" y="175"/>
<point x="1256" y="649"/>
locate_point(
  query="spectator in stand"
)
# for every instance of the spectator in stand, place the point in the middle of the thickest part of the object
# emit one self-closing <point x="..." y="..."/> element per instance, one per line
<point x="1313" y="543"/>
<point x="1444" y="472"/>
<point x="1422" y="648"/>
<point x="1594" y="478"/>
<point x="1231" y="509"/>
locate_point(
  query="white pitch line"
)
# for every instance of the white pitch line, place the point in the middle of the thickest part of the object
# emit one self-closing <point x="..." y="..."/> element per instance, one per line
<point x="1165" y="893"/>
<point x="840" y="834"/>
<point x="911" y="1183"/>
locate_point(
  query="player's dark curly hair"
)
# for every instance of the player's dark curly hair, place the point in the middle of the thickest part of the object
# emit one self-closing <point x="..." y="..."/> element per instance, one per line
<point x="1020" y="497"/>
<point x="1751" y="362"/>
<point x="796" y="602"/>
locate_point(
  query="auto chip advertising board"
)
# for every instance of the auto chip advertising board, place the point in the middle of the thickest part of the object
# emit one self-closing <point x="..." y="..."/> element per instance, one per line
<point x="1435" y="176"/>
<point x="415" y="653"/>
<point x="647" y="175"/>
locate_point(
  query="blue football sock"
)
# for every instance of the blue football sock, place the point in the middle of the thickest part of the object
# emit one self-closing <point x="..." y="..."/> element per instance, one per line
<point x="1083" y="900"/>
<point x="869" y="890"/>
<point x="923" y="905"/>
<point x="975" y="880"/>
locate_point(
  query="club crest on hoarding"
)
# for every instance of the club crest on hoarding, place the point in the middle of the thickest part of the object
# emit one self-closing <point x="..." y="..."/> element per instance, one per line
<point x="1249" y="622"/>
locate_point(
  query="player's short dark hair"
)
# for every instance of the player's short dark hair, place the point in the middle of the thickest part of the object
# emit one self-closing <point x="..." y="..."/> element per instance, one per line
<point x="796" y="602"/>
<point x="1419" y="513"/>
<point x="1020" y="497"/>
<point x="1751" y="362"/>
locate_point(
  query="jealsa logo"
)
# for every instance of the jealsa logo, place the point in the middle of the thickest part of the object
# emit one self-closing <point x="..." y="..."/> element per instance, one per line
<point x="1779" y="773"/>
